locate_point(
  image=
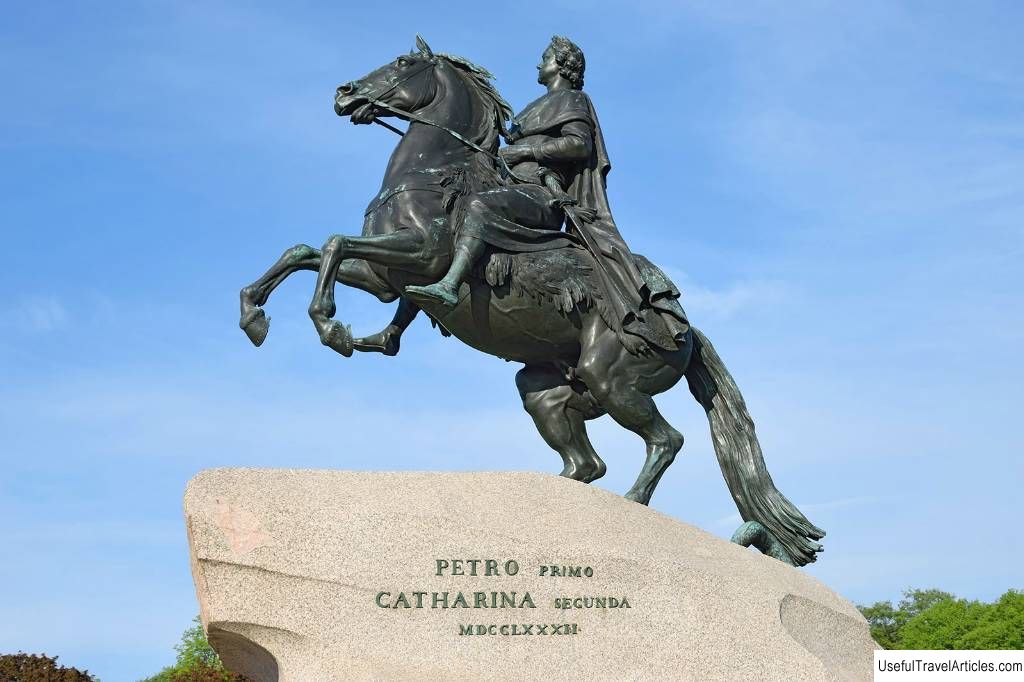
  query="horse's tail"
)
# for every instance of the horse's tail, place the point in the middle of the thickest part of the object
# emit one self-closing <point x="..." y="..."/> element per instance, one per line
<point x="739" y="455"/>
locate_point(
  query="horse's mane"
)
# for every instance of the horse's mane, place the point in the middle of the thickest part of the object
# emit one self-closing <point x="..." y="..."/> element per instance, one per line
<point x="479" y="81"/>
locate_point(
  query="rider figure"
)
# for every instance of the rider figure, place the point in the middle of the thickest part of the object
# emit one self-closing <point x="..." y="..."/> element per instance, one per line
<point x="523" y="217"/>
<point x="559" y="135"/>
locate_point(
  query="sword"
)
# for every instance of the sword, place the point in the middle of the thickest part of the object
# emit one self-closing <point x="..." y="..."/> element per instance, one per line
<point x="579" y="216"/>
<point x="572" y="210"/>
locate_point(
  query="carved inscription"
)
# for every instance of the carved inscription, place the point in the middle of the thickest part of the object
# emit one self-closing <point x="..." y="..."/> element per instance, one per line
<point x="506" y="599"/>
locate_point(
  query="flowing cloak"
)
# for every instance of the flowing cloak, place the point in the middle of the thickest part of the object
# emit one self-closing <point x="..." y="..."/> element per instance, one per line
<point x="642" y="300"/>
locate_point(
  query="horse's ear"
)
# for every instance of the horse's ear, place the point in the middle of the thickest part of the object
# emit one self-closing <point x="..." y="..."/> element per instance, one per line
<point x="422" y="46"/>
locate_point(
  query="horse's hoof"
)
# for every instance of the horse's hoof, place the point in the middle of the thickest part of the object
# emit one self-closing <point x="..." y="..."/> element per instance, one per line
<point x="255" y="324"/>
<point x="594" y="472"/>
<point x="637" y="497"/>
<point x="381" y="342"/>
<point x="338" y="337"/>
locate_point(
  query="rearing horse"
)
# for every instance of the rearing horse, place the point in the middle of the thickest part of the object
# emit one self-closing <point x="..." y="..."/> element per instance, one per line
<point x="541" y="309"/>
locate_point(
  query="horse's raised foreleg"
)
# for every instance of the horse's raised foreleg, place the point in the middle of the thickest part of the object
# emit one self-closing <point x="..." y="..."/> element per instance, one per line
<point x="560" y="410"/>
<point x="403" y="248"/>
<point x="254" y="321"/>
<point x="623" y="383"/>
<point x="354" y="273"/>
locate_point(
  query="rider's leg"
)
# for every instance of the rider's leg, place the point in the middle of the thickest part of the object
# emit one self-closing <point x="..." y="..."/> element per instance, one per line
<point x="519" y="218"/>
<point x="467" y="251"/>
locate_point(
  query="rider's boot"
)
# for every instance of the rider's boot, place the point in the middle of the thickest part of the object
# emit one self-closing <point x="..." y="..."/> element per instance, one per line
<point x="446" y="292"/>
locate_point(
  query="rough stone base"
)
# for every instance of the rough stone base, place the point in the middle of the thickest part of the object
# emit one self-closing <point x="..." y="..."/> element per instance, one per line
<point x="290" y="565"/>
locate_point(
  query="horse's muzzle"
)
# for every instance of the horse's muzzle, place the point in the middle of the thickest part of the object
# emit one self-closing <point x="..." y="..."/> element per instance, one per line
<point x="344" y="105"/>
<point x="346" y="100"/>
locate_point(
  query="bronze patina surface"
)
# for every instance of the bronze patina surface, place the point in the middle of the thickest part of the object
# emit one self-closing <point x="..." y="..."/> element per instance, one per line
<point x="473" y="236"/>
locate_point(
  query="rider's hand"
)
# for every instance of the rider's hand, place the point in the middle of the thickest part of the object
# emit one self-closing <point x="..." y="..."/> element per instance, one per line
<point x="587" y="215"/>
<point x="364" y="115"/>
<point x="515" y="153"/>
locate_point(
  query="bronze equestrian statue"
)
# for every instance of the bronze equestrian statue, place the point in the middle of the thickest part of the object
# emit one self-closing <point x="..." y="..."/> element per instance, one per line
<point x="472" y="236"/>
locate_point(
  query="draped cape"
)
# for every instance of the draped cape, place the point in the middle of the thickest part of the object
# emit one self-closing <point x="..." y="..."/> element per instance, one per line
<point x="644" y="301"/>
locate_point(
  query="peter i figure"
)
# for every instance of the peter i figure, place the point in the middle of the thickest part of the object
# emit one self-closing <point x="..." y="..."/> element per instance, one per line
<point x="559" y="135"/>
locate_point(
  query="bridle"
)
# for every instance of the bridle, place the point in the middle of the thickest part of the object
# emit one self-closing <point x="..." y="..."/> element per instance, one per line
<point x="380" y="104"/>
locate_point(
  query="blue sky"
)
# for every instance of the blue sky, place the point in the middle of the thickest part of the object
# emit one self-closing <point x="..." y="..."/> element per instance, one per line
<point x="848" y="183"/>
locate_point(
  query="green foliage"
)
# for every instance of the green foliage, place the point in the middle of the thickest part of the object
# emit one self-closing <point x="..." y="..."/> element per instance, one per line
<point x="916" y="602"/>
<point x="933" y="619"/>
<point x="886" y="623"/>
<point x="39" y="668"/>
<point x="942" y="626"/>
<point x="196" y="661"/>
<point x="1001" y="625"/>
<point x="194" y="651"/>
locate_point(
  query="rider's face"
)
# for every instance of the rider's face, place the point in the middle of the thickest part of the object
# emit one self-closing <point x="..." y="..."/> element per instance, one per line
<point x="547" y="70"/>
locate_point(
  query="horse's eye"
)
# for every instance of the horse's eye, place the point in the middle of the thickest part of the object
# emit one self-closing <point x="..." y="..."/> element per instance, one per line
<point x="402" y="61"/>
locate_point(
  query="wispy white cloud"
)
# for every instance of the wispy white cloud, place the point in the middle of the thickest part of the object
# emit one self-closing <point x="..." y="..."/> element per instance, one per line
<point x="91" y="533"/>
<point x="734" y="520"/>
<point x="730" y="521"/>
<point x="39" y="314"/>
<point x="837" y="504"/>
<point x="737" y="297"/>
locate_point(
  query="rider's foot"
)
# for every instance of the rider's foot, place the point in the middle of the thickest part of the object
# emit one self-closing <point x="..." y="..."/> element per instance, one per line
<point x="439" y="292"/>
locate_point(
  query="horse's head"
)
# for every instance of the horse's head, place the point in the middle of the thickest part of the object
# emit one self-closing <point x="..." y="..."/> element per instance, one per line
<point x="413" y="81"/>
<point x="407" y="84"/>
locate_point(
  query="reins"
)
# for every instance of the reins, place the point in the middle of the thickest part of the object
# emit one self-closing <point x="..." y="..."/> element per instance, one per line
<point x="377" y="102"/>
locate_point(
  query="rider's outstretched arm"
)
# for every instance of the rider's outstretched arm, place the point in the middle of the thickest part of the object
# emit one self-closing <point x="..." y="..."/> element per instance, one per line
<point x="388" y="340"/>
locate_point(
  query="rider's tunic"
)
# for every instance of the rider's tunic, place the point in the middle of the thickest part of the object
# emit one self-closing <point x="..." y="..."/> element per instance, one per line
<point x="520" y="217"/>
<point x="563" y="132"/>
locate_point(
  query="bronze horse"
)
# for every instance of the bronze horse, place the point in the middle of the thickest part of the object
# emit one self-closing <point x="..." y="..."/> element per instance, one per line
<point x="541" y="309"/>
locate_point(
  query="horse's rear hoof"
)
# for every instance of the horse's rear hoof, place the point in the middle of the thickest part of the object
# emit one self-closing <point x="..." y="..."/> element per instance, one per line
<point x="256" y="324"/>
<point x="381" y="342"/>
<point x="637" y="497"/>
<point x="338" y="337"/>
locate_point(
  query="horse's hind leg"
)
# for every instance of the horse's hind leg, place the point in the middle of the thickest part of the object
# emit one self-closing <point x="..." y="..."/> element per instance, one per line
<point x="623" y="385"/>
<point x="560" y="411"/>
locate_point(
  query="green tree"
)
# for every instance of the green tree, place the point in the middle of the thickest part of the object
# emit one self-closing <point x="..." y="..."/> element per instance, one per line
<point x="196" y="660"/>
<point x="933" y="619"/>
<point x="916" y="602"/>
<point x="887" y="621"/>
<point x="24" y="667"/>
<point x="942" y="625"/>
<point x="1001" y="626"/>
